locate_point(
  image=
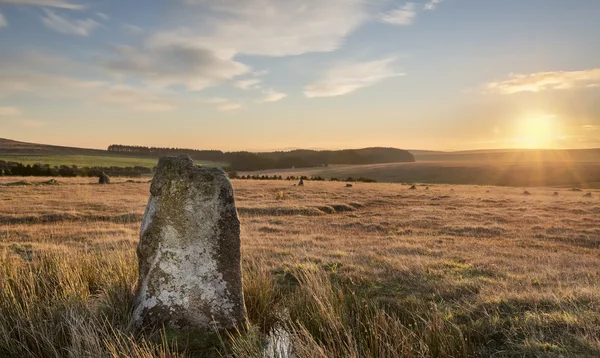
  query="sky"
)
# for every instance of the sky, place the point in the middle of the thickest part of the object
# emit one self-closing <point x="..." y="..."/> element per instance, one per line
<point x="279" y="74"/>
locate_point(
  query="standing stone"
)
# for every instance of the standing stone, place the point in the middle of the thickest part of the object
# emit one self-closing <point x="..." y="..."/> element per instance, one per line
<point x="103" y="178"/>
<point x="189" y="250"/>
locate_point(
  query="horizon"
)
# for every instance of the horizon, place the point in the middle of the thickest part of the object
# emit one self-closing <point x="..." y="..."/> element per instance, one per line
<point x="324" y="149"/>
<point x="441" y="75"/>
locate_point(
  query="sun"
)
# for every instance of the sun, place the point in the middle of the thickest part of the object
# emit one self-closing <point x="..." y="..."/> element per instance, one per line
<point x="538" y="131"/>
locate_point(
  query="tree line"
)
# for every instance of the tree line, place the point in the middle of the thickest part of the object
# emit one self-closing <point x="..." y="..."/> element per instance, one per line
<point x="301" y="158"/>
<point x="19" y="169"/>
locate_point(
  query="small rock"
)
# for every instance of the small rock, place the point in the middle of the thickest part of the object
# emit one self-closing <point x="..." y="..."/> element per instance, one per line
<point x="555" y="193"/>
<point x="301" y="182"/>
<point x="50" y="182"/>
<point x="526" y="193"/>
<point x="103" y="178"/>
<point x="587" y="195"/>
<point x="348" y="185"/>
<point x="412" y="188"/>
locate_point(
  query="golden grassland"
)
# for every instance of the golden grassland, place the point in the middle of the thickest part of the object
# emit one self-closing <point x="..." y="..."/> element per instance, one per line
<point x="376" y="270"/>
<point x="583" y="174"/>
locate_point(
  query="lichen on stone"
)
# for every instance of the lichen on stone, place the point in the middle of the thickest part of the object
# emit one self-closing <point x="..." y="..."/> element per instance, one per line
<point x="189" y="250"/>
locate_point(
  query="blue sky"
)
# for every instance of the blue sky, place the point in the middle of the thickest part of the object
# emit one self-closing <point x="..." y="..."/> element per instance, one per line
<point x="270" y="74"/>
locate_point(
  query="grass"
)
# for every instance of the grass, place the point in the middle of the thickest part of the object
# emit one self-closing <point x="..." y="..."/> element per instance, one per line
<point x="515" y="173"/>
<point x="88" y="160"/>
<point x="376" y="270"/>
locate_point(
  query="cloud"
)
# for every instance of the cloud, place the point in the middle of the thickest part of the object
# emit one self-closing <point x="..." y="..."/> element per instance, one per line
<point x="229" y="107"/>
<point x="46" y="3"/>
<point x="3" y="22"/>
<point x="174" y="64"/>
<point x="216" y="100"/>
<point x="103" y="16"/>
<point x="14" y="82"/>
<point x="273" y="96"/>
<point x="223" y="104"/>
<point x="9" y="112"/>
<point x="404" y="15"/>
<point x="432" y="4"/>
<point x="347" y="78"/>
<point x="590" y="127"/>
<point x="67" y="26"/>
<point x="138" y="99"/>
<point x="132" y="30"/>
<point x="545" y="81"/>
<point x="252" y="83"/>
<point x="271" y="27"/>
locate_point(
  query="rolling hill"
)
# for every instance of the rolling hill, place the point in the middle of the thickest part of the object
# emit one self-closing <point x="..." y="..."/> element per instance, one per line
<point x="570" y="167"/>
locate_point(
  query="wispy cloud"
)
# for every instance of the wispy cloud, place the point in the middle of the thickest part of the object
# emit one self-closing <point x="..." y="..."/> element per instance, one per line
<point x="229" y="107"/>
<point x="216" y="100"/>
<point x="43" y="84"/>
<point x="132" y="30"/>
<point x="590" y="127"/>
<point x="3" y="22"/>
<point x="46" y="3"/>
<point x="347" y="78"/>
<point x="273" y="96"/>
<point x="223" y="104"/>
<point x="103" y="16"/>
<point x="138" y="99"/>
<point x="545" y="81"/>
<point x="68" y="26"/>
<point x="9" y="112"/>
<point x="272" y="27"/>
<point x="174" y="64"/>
<point x="404" y="15"/>
<point x="432" y="4"/>
<point x="252" y="83"/>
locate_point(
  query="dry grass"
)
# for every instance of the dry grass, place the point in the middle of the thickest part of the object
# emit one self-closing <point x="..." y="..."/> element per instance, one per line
<point x="585" y="174"/>
<point x="376" y="270"/>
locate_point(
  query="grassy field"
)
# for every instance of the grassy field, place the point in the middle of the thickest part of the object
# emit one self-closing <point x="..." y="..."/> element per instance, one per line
<point x="579" y="174"/>
<point x="376" y="270"/>
<point x="82" y="160"/>
<point x="33" y="153"/>
<point x="89" y="160"/>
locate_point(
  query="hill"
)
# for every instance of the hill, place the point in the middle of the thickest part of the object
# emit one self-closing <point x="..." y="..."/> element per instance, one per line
<point x="510" y="155"/>
<point x="10" y="147"/>
<point x="580" y="174"/>
<point x="300" y="158"/>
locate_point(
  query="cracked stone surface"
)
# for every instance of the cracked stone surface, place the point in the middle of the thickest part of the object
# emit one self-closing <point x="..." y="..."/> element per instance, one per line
<point x="189" y="250"/>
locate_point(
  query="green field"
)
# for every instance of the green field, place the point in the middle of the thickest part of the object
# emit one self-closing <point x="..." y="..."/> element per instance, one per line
<point x="88" y="160"/>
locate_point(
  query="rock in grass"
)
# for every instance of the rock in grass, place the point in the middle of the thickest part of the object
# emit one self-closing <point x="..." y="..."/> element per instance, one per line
<point x="50" y="182"/>
<point x="413" y="188"/>
<point x="103" y="178"/>
<point x="189" y="250"/>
